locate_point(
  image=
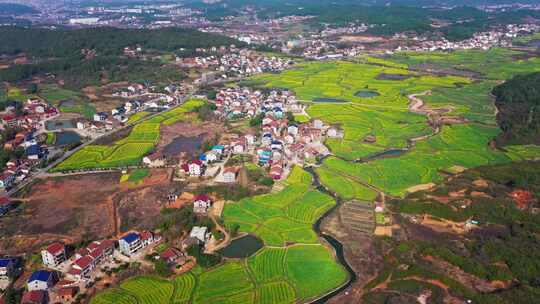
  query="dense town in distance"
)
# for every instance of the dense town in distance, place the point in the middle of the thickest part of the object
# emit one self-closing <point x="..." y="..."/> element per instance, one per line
<point x="223" y="151"/>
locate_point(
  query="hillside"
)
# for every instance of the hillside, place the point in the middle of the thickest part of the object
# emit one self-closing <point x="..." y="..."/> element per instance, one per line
<point x="446" y="255"/>
<point x="518" y="101"/>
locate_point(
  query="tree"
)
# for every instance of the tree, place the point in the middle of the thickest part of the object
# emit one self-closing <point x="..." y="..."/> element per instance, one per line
<point x="32" y="88"/>
<point x="162" y="268"/>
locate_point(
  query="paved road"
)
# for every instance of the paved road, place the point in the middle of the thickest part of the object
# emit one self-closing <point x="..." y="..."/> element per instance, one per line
<point x="43" y="172"/>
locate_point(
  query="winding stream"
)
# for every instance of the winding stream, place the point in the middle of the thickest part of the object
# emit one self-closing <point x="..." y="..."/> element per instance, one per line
<point x="338" y="247"/>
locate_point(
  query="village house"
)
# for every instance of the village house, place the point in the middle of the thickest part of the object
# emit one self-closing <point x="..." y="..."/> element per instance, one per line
<point x="195" y="168"/>
<point x="101" y="116"/>
<point x="173" y="256"/>
<point x="41" y="280"/>
<point x="54" y="255"/>
<point x="35" y="297"/>
<point x="6" y="180"/>
<point x="200" y="233"/>
<point x="67" y="294"/>
<point x="130" y="243"/>
<point x="8" y="268"/>
<point x="230" y="174"/>
<point x="88" y="258"/>
<point x="154" y="160"/>
<point x="201" y="204"/>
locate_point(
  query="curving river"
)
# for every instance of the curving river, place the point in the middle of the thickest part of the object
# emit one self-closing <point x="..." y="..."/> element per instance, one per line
<point x="338" y="247"/>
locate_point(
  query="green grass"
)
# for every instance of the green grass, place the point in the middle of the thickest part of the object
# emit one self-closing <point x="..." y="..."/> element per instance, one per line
<point x="85" y="109"/>
<point x="51" y="138"/>
<point x="54" y="94"/>
<point x="138" y="175"/>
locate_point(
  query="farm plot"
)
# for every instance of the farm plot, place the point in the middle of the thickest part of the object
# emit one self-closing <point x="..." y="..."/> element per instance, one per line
<point x="283" y="217"/>
<point x="223" y="282"/>
<point x="461" y="145"/>
<point x="268" y="264"/>
<point x="183" y="288"/>
<point x="114" y="296"/>
<point x="130" y="150"/>
<point x="495" y="64"/>
<point x="275" y="293"/>
<point x="307" y="265"/>
<point x="149" y="290"/>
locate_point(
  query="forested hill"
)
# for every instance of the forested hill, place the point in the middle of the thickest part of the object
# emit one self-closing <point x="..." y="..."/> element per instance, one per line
<point x="518" y="101"/>
<point x="15" y="9"/>
<point x="105" y="40"/>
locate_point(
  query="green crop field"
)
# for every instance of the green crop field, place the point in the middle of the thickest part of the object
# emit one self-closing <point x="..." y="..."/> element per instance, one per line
<point x="53" y="94"/>
<point x="137" y="116"/>
<point x="281" y="217"/>
<point x="116" y="296"/>
<point x="130" y="150"/>
<point x="386" y="117"/>
<point x="184" y="286"/>
<point x="149" y="290"/>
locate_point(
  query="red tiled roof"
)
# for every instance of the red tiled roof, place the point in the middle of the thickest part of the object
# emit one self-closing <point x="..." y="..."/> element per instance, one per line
<point x="196" y="162"/>
<point x="68" y="291"/>
<point x="55" y="248"/>
<point x="170" y="253"/>
<point x="34" y="296"/>
<point x="202" y="197"/>
<point x="145" y="235"/>
<point x="83" y="262"/>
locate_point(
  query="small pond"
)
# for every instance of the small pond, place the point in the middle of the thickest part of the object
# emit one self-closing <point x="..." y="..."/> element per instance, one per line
<point x="242" y="247"/>
<point x="327" y="99"/>
<point x="189" y="145"/>
<point x="366" y="94"/>
<point x="387" y="76"/>
<point x="58" y="124"/>
<point x="67" y="138"/>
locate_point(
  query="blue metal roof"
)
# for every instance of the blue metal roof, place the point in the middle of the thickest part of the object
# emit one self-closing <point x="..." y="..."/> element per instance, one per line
<point x="218" y="147"/>
<point x="130" y="238"/>
<point x="33" y="150"/>
<point x="5" y="262"/>
<point x="40" y="275"/>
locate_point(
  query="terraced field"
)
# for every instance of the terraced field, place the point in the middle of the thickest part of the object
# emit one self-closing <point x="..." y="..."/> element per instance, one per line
<point x="283" y="217"/>
<point x="130" y="150"/>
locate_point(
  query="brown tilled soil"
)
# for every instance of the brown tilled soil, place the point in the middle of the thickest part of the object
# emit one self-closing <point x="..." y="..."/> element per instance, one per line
<point x="92" y="205"/>
<point x="188" y="129"/>
<point x="68" y="206"/>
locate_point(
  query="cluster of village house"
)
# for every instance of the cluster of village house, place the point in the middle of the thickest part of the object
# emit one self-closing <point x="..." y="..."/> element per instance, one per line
<point x="65" y="274"/>
<point x="235" y="63"/>
<point x="142" y="99"/>
<point x="485" y="40"/>
<point x="279" y="143"/>
<point x="26" y="121"/>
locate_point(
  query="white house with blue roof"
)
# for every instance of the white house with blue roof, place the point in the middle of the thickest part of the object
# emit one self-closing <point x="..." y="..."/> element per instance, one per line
<point x="8" y="268"/>
<point x="41" y="280"/>
<point x="130" y="243"/>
